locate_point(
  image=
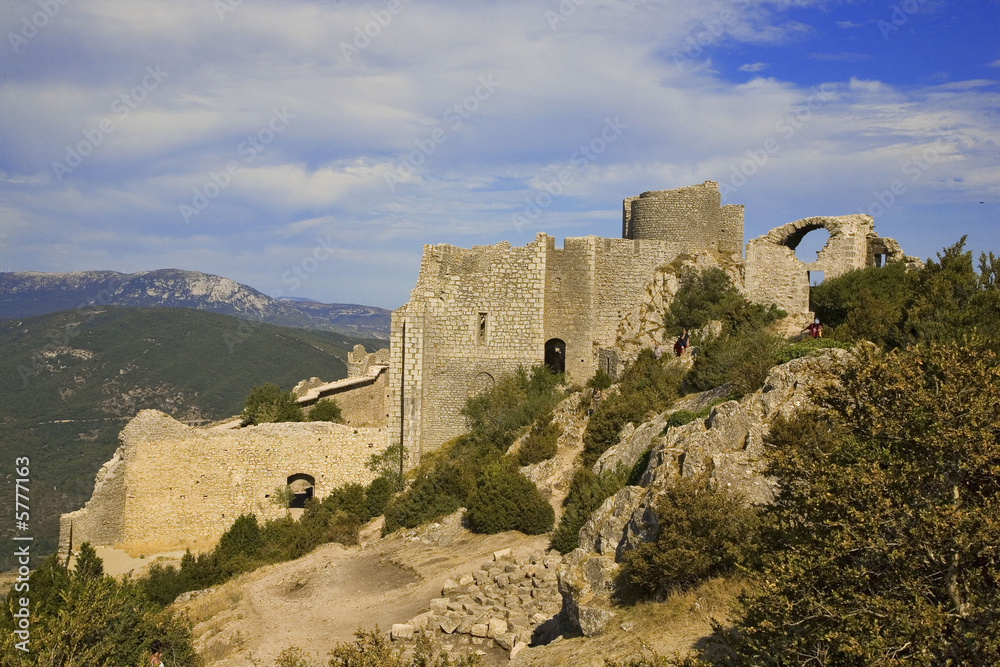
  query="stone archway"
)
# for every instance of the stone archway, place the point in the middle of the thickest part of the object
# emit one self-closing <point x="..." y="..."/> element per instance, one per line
<point x="775" y="275"/>
<point x="301" y="487"/>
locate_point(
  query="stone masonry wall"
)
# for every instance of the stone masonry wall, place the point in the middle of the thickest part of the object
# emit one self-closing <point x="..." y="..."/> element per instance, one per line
<point x="475" y="313"/>
<point x="570" y="302"/>
<point x="184" y="486"/>
<point x="775" y="275"/>
<point x="364" y="405"/>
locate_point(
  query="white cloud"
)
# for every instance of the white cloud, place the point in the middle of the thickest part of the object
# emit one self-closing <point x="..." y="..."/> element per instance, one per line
<point x="355" y="120"/>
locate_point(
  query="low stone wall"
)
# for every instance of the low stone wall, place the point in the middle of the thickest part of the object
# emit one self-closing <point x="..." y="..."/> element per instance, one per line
<point x="172" y="485"/>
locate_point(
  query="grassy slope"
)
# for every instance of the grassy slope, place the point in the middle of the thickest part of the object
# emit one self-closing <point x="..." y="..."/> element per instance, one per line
<point x="64" y="410"/>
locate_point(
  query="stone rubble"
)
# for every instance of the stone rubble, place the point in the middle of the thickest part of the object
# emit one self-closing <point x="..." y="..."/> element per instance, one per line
<point x="503" y="602"/>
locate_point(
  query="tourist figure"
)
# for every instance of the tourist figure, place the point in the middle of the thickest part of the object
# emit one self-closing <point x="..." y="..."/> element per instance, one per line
<point x="681" y="346"/>
<point x="155" y="658"/>
<point x="815" y="329"/>
<point x="657" y="349"/>
<point x="596" y="399"/>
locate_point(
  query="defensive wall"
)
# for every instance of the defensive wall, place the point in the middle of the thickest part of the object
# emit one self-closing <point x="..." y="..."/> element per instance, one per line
<point x="171" y="485"/>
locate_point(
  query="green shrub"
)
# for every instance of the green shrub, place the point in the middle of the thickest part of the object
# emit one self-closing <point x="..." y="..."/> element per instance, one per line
<point x="586" y="493"/>
<point x="601" y="380"/>
<point x="647" y="385"/>
<point x="445" y="481"/>
<point x="742" y="361"/>
<point x="243" y="537"/>
<point x="701" y="534"/>
<point x="266" y="403"/>
<point x="326" y="410"/>
<point x="497" y="415"/>
<point x="804" y="347"/>
<point x="881" y="543"/>
<point x="98" y="620"/>
<point x="379" y="493"/>
<point x="703" y="296"/>
<point x="505" y="499"/>
<point x="541" y="444"/>
<point x="679" y="418"/>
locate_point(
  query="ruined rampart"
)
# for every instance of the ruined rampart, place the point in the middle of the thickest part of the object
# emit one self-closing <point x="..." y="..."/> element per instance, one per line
<point x="171" y="485"/>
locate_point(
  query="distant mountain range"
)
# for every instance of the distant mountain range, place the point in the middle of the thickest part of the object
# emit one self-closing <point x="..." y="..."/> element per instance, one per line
<point x="30" y="293"/>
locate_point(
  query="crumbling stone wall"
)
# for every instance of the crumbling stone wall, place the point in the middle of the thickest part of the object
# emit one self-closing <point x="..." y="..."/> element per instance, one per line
<point x="479" y="313"/>
<point x="170" y="484"/>
<point x="775" y="275"/>
<point x="691" y="216"/>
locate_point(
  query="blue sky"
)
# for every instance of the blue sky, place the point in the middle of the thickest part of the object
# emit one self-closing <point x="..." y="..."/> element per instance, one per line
<point x="248" y="138"/>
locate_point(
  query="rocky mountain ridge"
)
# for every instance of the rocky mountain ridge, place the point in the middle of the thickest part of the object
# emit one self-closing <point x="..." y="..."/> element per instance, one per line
<point x="29" y="293"/>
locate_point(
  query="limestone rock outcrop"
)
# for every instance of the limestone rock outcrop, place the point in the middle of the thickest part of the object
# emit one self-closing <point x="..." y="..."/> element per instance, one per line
<point x="727" y="446"/>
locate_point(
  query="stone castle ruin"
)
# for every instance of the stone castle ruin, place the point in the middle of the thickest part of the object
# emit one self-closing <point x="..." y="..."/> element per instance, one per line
<point x="477" y="313"/>
<point x="473" y="315"/>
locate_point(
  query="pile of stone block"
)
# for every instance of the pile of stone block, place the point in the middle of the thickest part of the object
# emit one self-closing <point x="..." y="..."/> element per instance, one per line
<point x="504" y="601"/>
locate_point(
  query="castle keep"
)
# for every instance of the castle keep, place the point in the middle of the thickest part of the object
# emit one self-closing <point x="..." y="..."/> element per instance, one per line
<point x="473" y="315"/>
<point x="478" y="313"/>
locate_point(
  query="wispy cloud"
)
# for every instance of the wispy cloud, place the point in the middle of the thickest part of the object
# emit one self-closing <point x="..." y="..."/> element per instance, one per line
<point x="752" y="67"/>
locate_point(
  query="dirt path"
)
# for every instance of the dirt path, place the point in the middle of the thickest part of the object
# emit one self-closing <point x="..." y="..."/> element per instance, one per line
<point x="324" y="597"/>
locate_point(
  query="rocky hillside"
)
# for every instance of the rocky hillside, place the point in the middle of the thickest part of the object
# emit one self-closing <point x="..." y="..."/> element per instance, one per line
<point x="25" y="294"/>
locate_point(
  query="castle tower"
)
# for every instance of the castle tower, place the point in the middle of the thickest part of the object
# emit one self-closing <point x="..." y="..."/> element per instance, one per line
<point x="691" y="216"/>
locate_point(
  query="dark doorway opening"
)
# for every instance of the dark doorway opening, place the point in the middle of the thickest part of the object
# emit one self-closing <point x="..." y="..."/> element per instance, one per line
<point x="555" y="355"/>
<point x="300" y="486"/>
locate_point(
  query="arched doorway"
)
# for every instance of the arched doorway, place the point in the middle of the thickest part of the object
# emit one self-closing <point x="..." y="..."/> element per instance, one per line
<point x="555" y="355"/>
<point x="300" y="487"/>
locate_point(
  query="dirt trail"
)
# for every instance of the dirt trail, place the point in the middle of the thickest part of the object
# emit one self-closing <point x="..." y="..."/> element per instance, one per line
<point x="324" y="597"/>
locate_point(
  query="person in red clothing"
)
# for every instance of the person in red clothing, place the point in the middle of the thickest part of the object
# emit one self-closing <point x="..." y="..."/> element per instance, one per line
<point x="815" y="329"/>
